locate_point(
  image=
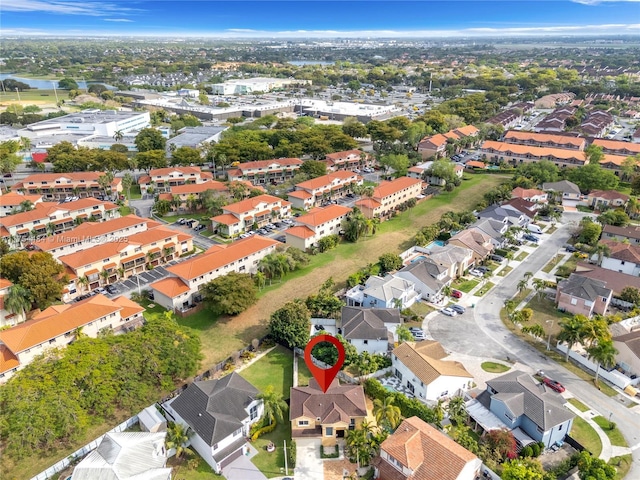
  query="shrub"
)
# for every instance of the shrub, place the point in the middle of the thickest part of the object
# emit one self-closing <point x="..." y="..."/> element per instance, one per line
<point x="262" y="431"/>
<point x="409" y="407"/>
<point x="527" y="451"/>
<point x="293" y="453"/>
<point x="535" y="449"/>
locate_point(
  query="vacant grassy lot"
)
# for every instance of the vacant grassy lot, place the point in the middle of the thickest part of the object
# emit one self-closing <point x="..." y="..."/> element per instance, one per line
<point x="587" y="436"/>
<point x="613" y="433"/>
<point x="546" y="315"/>
<point x="275" y="369"/>
<point x="493" y="367"/>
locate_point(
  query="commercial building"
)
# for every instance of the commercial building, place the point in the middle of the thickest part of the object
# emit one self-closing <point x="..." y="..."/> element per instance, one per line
<point x="246" y="86"/>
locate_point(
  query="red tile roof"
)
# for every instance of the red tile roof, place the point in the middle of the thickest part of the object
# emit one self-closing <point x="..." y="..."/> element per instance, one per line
<point x="253" y="202"/>
<point x="389" y="188"/>
<point x="225" y="219"/>
<point x="341" y="155"/>
<point x="609" y="195"/>
<point x="617" y="145"/>
<point x="300" y="231"/>
<point x="318" y="216"/>
<point x="199" y="187"/>
<point x="327" y="180"/>
<point x="170" y="286"/>
<point x="534" y="152"/>
<point x="266" y="163"/>
<point x="14" y="199"/>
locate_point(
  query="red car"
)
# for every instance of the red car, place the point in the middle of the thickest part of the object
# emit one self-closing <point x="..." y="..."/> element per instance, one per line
<point x="456" y="294"/>
<point x="557" y="386"/>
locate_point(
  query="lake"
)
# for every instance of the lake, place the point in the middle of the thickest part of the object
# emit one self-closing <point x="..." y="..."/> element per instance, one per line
<point x="48" y="84"/>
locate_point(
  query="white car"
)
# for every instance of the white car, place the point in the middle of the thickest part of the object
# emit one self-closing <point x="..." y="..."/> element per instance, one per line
<point x="476" y="273"/>
<point x="449" y="311"/>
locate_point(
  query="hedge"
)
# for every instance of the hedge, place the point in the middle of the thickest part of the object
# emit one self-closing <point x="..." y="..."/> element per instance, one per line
<point x="409" y="407"/>
<point x="324" y="454"/>
<point x="261" y="431"/>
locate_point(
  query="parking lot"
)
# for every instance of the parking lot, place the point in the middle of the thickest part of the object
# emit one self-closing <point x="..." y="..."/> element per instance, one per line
<point x="144" y="279"/>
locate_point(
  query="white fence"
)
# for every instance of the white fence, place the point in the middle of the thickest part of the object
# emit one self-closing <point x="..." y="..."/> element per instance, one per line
<point x="614" y="377"/>
<point x="88" y="448"/>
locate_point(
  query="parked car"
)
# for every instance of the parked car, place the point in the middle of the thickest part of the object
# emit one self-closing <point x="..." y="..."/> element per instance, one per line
<point x="415" y="329"/>
<point x="570" y="248"/>
<point x="99" y="290"/>
<point x="151" y="296"/>
<point x="553" y="384"/>
<point x="181" y="221"/>
<point x="483" y="269"/>
<point x="531" y="238"/>
<point x="496" y="258"/>
<point x="458" y="308"/>
<point x="418" y="335"/>
<point x="449" y="311"/>
<point x="111" y="289"/>
<point x="456" y="293"/>
<point x="318" y="327"/>
<point x="476" y="273"/>
<point x="281" y="238"/>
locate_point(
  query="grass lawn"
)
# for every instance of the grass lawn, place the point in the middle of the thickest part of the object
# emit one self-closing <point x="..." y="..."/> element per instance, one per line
<point x="622" y="464"/>
<point x="578" y="404"/>
<point x="201" y="472"/>
<point x="493" y="367"/>
<point x="551" y="229"/>
<point x="520" y="296"/>
<point x="545" y="311"/>
<point x="304" y="375"/>
<point x="422" y="308"/>
<point x="552" y="263"/>
<point x="34" y="97"/>
<point x="275" y="369"/>
<point x="124" y="211"/>
<point x="521" y="256"/>
<point x="487" y="286"/>
<point x="504" y="271"/>
<point x="587" y="436"/>
<point x="272" y="464"/>
<point x="614" y="434"/>
<point x="465" y="285"/>
<point x="135" y="192"/>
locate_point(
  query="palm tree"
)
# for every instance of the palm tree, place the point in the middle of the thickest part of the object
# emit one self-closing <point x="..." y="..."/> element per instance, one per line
<point x="274" y="405"/>
<point x="522" y="285"/>
<point x="387" y="414"/>
<point x="457" y="410"/>
<point x="18" y="300"/>
<point x="510" y="306"/>
<point x="572" y="331"/>
<point x="603" y="353"/>
<point x="127" y="182"/>
<point x="118" y="135"/>
<point x="178" y="437"/>
<point x="539" y="285"/>
<point x="105" y="276"/>
<point x="82" y="282"/>
<point x="260" y="279"/>
<point x="26" y="206"/>
<point x="528" y="275"/>
<point x="602" y="250"/>
<point x="105" y="182"/>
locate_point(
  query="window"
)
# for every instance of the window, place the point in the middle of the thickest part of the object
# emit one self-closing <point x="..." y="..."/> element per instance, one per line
<point x="366" y="342"/>
<point x="253" y="412"/>
<point x="215" y="446"/>
<point x="328" y="432"/>
<point x="574" y="301"/>
<point x="398" y="374"/>
<point x="303" y="423"/>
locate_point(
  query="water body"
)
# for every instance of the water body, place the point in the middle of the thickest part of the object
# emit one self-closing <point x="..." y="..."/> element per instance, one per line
<point x="302" y="63"/>
<point x="48" y="84"/>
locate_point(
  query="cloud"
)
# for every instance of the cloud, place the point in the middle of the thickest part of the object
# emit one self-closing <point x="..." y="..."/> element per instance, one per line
<point x="117" y="20"/>
<point x="65" y="7"/>
<point x="598" y="2"/>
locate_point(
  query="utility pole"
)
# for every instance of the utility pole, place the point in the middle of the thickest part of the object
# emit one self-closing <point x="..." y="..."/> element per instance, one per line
<point x="54" y="90"/>
<point x="18" y="92"/>
<point x="286" y="467"/>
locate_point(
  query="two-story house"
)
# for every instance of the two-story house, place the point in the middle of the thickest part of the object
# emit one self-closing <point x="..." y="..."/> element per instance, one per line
<point x="630" y="233"/>
<point x="532" y="411"/>
<point x="161" y="180"/>
<point x="475" y="240"/>
<point x="429" y="277"/>
<point x="456" y="259"/>
<point x="530" y="194"/>
<point x="239" y="217"/>
<point x="58" y="186"/>
<point x="266" y="172"/>
<point x="434" y="146"/>
<point x="328" y="415"/>
<point x="583" y="295"/>
<point x="416" y="450"/>
<point x="389" y="195"/>
<point x="181" y="290"/>
<point x="13" y="202"/>
<point x="423" y="371"/>
<point x="419" y="171"/>
<point x="568" y="192"/>
<point x="370" y="329"/>
<point x="599" y="199"/>
<point x="320" y="222"/>
<point x="622" y="257"/>
<point x="496" y="229"/>
<point x="383" y="292"/>
<point x="347" y="160"/>
<point x="323" y="189"/>
<point x="220" y="413"/>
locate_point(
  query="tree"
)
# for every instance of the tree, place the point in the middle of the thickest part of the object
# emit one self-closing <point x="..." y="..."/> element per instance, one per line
<point x="462" y="437"/>
<point x="290" y="325"/>
<point x="97" y="88"/>
<point x="398" y="162"/>
<point x="68" y="84"/>
<point x="105" y="182"/>
<point x="151" y="159"/>
<point x="602" y="250"/>
<point x="162" y="207"/>
<point x="589" y="231"/>
<point x="274" y="405"/>
<point x="355" y="225"/>
<point x="631" y="295"/>
<point x="540" y="172"/>
<point x="118" y="135"/>
<point x="603" y="353"/>
<point x="593" y="177"/>
<point x="185" y="156"/>
<point x="617" y="218"/>
<point x="150" y="139"/>
<point x="387" y="414"/>
<point x="38" y="273"/>
<point x="127" y="182"/>
<point x="361" y="444"/>
<point x="593" y="154"/>
<point x="230" y="294"/>
<point x="539" y="285"/>
<point x="403" y="334"/>
<point x="457" y="410"/>
<point x="314" y="168"/>
<point x="591" y="468"/>
<point x="177" y="437"/>
<point x="9" y="160"/>
<point x="572" y="331"/>
<point x="18" y="300"/>
<point x="443" y="169"/>
<point x="522" y="469"/>
<point x="389" y="262"/>
<point x="503" y="442"/>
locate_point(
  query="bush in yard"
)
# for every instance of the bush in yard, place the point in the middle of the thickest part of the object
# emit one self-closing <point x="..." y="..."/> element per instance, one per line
<point x="535" y="449"/>
<point x="409" y="407"/>
<point x="263" y="431"/>
<point x="389" y="262"/>
<point x="293" y="453"/>
<point x="526" y="452"/>
<point x="291" y="324"/>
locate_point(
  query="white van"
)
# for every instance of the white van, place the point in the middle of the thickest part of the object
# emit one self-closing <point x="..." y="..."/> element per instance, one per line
<point x="534" y="229"/>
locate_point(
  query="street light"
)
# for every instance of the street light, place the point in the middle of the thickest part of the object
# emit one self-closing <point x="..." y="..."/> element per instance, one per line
<point x="549" y="339"/>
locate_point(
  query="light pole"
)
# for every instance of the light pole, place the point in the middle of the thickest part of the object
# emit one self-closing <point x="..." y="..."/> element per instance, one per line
<point x="18" y="92"/>
<point x="55" y="91"/>
<point x="549" y="339"/>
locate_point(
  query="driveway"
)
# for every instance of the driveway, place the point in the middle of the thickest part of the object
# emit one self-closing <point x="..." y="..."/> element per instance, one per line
<point x="308" y="462"/>
<point x="242" y="469"/>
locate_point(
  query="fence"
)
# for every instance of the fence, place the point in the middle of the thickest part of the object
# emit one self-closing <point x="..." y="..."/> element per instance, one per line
<point x="88" y="448"/>
<point x="614" y="377"/>
<point x="574" y="443"/>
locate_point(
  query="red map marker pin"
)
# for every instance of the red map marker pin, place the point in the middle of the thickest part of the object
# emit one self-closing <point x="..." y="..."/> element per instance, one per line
<point x="324" y="376"/>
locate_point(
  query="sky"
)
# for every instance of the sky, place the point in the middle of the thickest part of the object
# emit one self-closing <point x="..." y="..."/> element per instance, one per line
<point x="318" y="18"/>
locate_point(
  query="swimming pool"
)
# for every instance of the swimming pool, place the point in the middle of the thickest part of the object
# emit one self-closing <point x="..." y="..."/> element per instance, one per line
<point x="417" y="259"/>
<point x="436" y="243"/>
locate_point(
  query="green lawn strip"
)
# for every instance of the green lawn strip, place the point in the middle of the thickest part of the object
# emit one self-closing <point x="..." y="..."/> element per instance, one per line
<point x="551" y="229"/>
<point x="465" y="285"/>
<point x="48" y="96"/>
<point x="586" y="435"/>
<point x="520" y="296"/>
<point x="521" y="256"/>
<point x="578" y="404"/>
<point x="422" y="309"/>
<point x="493" y="367"/>
<point x="487" y="286"/>
<point x="552" y="263"/>
<point x="614" y="434"/>
<point x="272" y="464"/>
<point x="304" y="375"/>
<point x="275" y="369"/>
<point x="124" y="211"/>
<point x="201" y="217"/>
<point x="136" y="194"/>
<point x="201" y="472"/>
<point x="504" y="271"/>
<point x="622" y="465"/>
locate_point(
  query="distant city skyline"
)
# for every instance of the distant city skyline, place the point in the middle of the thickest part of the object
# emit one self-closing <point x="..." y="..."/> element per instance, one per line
<point x="319" y="19"/>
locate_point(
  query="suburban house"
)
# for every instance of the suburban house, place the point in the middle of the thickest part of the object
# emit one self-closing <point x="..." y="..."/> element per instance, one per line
<point x="347" y="160"/>
<point x="532" y="411"/>
<point x="182" y="290"/>
<point x="266" y="172"/>
<point x="515" y="154"/>
<point x="383" y="292"/>
<point x="161" y="180"/>
<point x="583" y="295"/>
<point x="220" y="412"/>
<point x="49" y="217"/>
<point x="330" y="414"/>
<point x="494" y="228"/>
<point x="320" y="222"/>
<point x="182" y="196"/>
<point x="566" y="190"/>
<point x="631" y="233"/>
<point x="435" y="145"/>
<point x="126" y="456"/>
<point x="370" y="329"/>
<point x="617" y="147"/>
<point x="7" y="318"/>
<point x="544" y="140"/>
<point x="628" y="347"/>
<point x="429" y="278"/>
<point x="239" y="217"/>
<point x="614" y="280"/>
<point x="321" y="190"/>
<point x="527" y="208"/>
<point x="58" y="186"/>
<point x="416" y="450"/>
<point x="622" y="257"/>
<point x="506" y="215"/>
<point x="475" y="240"/>
<point x="456" y="259"/>
<point x="389" y="195"/>
<point x="606" y="198"/>
<point x="423" y="371"/>
<point x="418" y="171"/>
<point x="58" y="325"/>
<point x="11" y="203"/>
<point x="530" y="194"/>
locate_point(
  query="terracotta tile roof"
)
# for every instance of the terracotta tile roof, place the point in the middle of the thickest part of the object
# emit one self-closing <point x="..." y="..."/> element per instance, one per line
<point x="129" y="307"/>
<point x="4" y="283"/>
<point x="319" y="215"/>
<point x="368" y="203"/>
<point x="389" y="188"/>
<point x="327" y="180"/>
<point x="609" y="195"/>
<point x="341" y="155"/>
<point x="152" y="235"/>
<point x="544" y="138"/>
<point x="86" y="203"/>
<point x="300" y="232"/>
<point x="219" y="257"/>
<point x="253" y="202"/>
<point x="51" y="178"/>
<point x="424" y="361"/>
<point x="302" y="194"/>
<point x="616" y="281"/>
<point x="520" y="192"/>
<point x="7" y="359"/>
<point x="182" y="237"/>
<point x="225" y="219"/>
<point x="14" y="199"/>
<point x="623" y="251"/>
<point x="476" y="164"/>
<point x="534" y="152"/>
<point x="429" y="453"/>
<point x="266" y="163"/>
<point x="186" y="171"/>
<point x="192" y="188"/>
<point x="90" y="255"/>
<point x="617" y="145"/>
<point x="55" y="321"/>
<point x="170" y="286"/>
<point x="613" y="159"/>
<point x="437" y="140"/>
<point x="467" y="130"/>
<point x="40" y="211"/>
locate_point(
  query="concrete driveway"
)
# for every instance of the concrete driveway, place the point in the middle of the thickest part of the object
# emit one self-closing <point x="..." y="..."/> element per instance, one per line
<point x="308" y="462"/>
<point x="242" y="469"/>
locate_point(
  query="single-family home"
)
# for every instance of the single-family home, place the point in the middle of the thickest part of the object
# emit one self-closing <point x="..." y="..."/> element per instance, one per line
<point x="429" y="277"/>
<point x="583" y="295"/>
<point x="126" y="456"/>
<point x="266" y="172"/>
<point x="185" y="197"/>
<point x="13" y="202"/>
<point x="622" y="257"/>
<point x="475" y="240"/>
<point x="383" y="292"/>
<point x="567" y="191"/>
<point x="527" y="208"/>
<point x="456" y="259"/>
<point x="321" y="190"/>
<point x="628" y="347"/>
<point x="416" y="450"/>
<point x="531" y="410"/>
<point x="597" y="123"/>
<point x="161" y="180"/>
<point x="320" y="222"/>
<point x="253" y="212"/>
<point x="388" y="196"/>
<point x="494" y="228"/>
<point x="347" y="160"/>
<point x="58" y="186"/>
<point x="530" y="194"/>
<point x="8" y="318"/>
<point x="614" y="280"/>
<point x="606" y="198"/>
<point x="328" y="415"/>
<point x="509" y="216"/>
<point x="220" y="413"/>
<point x="370" y="329"/>
<point x="424" y="371"/>
<point x="630" y="233"/>
<point x="57" y="326"/>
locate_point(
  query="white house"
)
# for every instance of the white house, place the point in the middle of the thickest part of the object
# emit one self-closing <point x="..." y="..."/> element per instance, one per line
<point x="370" y="329"/>
<point x="429" y="278"/>
<point x="387" y="292"/>
<point x="422" y="370"/>
<point x="623" y="258"/>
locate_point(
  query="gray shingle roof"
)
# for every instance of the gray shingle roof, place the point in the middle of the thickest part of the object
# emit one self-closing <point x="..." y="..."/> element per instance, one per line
<point x="214" y="409"/>
<point x="564" y="186"/>
<point x="427" y="271"/>
<point x="367" y="323"/>
<point x="584" y="287"/>
<point x="539" y="403"/>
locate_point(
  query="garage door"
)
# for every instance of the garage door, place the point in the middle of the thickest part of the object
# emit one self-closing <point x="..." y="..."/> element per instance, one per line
<point x="231" y="458"/>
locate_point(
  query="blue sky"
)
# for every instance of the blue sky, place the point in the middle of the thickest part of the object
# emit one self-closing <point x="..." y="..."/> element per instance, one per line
<point x="321" y="18"/>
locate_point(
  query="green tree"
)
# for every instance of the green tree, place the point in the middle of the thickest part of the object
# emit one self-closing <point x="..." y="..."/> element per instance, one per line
<point x="105" y="181"/>
<point x="162" y="207"/>
<point x="314" y="168"/>
<point x="403" y="334"/>
<point x="389" y="262"/>
<point x="591" y="468"/>
<point x="593" y="154"/>
<point x="230" y="294"/>
<point x="603" y="353"/>
<point x="522" y="469"/>
<point x="355" y="225"/>
<point x="589" y="231"/>
<point x="290" y="325"/>
<point x="387" y="414"/>
<point x="150" y="139"/>
<point x="398" y="162"/>
<point x="9" y="160"/>
<point x="127" y="182"/>
<point x="617" y="218"/>
<point x="18" y="300"/>
<point x="39" y="273"/>
<point x="572" y="331"/>
<point x="274" y="405"/>
<point x="540" y="172"/>
<point x="186" y="156"/>
<point x="462" y="437"/>
<point x="593" y="177"/>
<point x="457" y="410"/>
<point x="178" y="437"/>
<point x="631" y="295"/>
<point x="151" y="159"/>
<point x="68" y="84"/>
